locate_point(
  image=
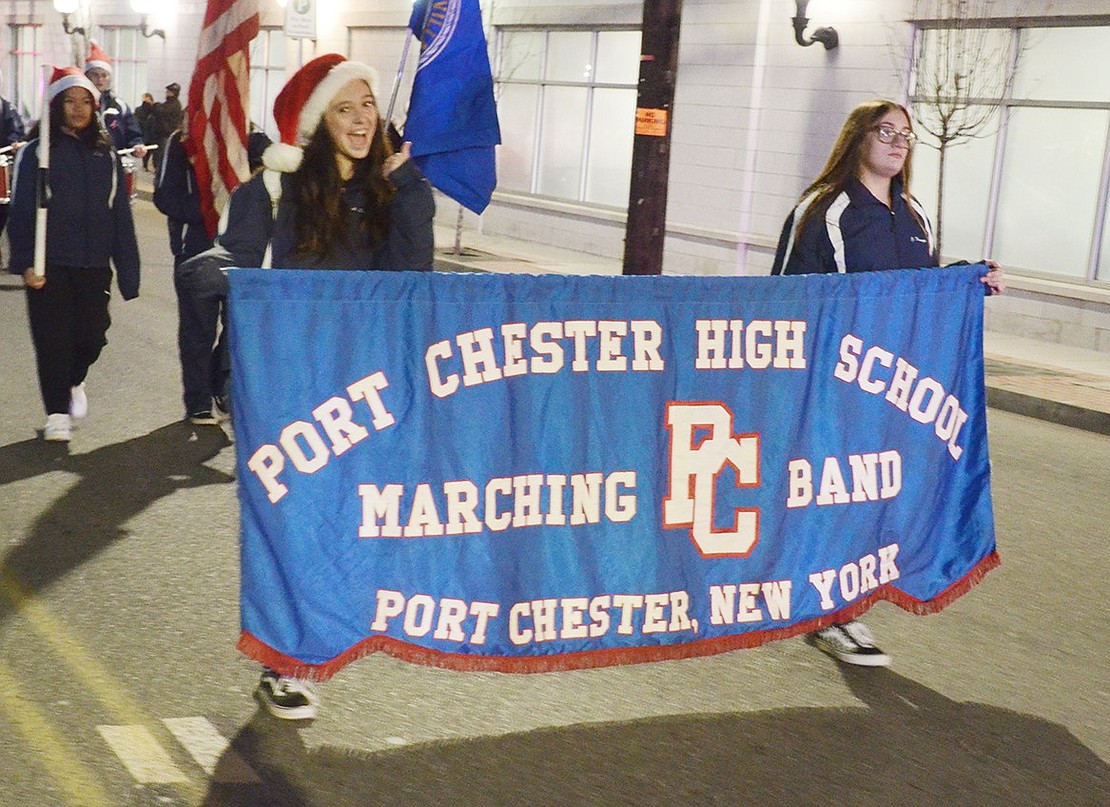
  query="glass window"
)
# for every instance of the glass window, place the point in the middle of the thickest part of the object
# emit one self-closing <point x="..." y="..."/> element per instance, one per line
<point x="967" y="191"/>
<point x="1047" y="181"/>
<point x="964" y="62"/>
<point x="567" y="105"/>
<point x="570" y="56"/>
<point x="522" y="55"/>
<point x="1065" y="64"/>
<point x="516" y="111"/>
<point x="128" y="49"/>
<point x="611" y="133"/>
<point x="267" y="55"/>
<point x="25" y="71"/>
<point x="618" y="57"/>
<point x="1050" y="189"/>
<point x="561" y="141"/>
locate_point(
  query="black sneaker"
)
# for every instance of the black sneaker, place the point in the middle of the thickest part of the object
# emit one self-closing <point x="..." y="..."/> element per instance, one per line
<point x="223" y="404"/>
<point x="204" y="419"/>
<point x="850" y="642"/>
<point x="287" y="698"/>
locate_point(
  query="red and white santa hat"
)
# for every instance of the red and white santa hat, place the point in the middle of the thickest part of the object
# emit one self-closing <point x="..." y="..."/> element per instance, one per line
<point x="65" y="77"/>
<point x="97" y="58"/>
<point x="303" y="100"/>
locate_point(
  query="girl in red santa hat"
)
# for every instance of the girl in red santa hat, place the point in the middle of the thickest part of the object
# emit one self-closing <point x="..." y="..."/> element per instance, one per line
<point x="89" y="229"/>
<point x="333" y="195"/>
<point x="344" y="198"/>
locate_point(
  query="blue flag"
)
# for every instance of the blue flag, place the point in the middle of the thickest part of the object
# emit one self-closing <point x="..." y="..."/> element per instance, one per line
<point x="538" y="472"/>
<point x="452" y="118"/>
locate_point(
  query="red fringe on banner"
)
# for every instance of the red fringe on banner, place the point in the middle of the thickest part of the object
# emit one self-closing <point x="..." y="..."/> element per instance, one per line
<point x="251" y="647"/>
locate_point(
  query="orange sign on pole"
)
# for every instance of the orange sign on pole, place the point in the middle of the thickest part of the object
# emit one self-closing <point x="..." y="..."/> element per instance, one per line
<point x="651" y="122"/>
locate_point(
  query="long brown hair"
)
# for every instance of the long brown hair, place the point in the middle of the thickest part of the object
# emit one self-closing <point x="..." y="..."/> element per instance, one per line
<point x="317" y="192"/>
<point x="847" y="153"/>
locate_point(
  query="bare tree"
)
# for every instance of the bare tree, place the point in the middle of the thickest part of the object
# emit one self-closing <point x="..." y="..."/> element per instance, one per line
<point x="964" y="69"/>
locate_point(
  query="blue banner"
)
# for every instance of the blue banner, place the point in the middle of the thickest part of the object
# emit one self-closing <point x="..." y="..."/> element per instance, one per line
<point x="525" y="473"/>
<point x="452" y="117"/>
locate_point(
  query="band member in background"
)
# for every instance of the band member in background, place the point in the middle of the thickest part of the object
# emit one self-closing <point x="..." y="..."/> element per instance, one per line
<point x="118" y="118"/>
<point x="88" y="230"/>
<point x="12" y="135"/>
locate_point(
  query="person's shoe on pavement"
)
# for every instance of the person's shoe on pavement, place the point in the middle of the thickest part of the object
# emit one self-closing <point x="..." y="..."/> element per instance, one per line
<point x="286" y="697"/>
<point x="78" y="401"/>
<point x="204" y="419"/>
<point x="850" y="642"/>
<point x="58" y="428"/>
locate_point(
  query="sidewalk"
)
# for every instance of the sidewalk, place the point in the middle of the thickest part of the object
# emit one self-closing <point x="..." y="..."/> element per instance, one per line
<point x="1061" y="384"/>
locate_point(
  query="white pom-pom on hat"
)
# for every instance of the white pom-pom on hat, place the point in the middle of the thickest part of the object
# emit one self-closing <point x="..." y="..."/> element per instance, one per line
<point x="282" y="157"/>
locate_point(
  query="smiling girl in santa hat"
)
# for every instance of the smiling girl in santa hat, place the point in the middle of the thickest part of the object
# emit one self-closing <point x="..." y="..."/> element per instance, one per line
<point x="335" y="195"/>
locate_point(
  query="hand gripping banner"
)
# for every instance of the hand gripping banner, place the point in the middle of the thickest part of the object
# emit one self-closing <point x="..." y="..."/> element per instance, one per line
<point x="528" y="473"/>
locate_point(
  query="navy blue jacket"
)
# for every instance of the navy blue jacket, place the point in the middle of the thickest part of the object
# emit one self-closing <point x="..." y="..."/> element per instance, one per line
<point x="88" y="223"/>
<point x="120" y="121"/>
<point x="857" y="233"/>
<point x="408" y="246"/>
<point x="176" y="196"/>
<point x="11" y="125"/>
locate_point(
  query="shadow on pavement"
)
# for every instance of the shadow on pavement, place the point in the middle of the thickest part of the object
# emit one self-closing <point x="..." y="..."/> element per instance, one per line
<point x="114" y="484"/>
<point x="903" y="745"/>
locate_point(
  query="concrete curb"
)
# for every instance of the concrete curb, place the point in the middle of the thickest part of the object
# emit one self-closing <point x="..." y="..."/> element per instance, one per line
<point x="1053" y="411"/>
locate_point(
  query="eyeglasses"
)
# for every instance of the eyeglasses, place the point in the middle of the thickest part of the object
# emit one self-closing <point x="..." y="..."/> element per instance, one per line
<point x="888" y="134"/>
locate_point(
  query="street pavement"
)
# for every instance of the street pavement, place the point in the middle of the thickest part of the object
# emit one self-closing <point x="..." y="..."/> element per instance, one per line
<point x="120" y="685"/>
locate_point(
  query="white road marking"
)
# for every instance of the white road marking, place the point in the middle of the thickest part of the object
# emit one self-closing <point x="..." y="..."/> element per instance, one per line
<point x="211" y="750"/>
<point x="141" y="754"/>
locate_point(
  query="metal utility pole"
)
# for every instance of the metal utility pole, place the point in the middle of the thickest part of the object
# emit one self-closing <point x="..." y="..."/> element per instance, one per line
<point x="651" y="149"/>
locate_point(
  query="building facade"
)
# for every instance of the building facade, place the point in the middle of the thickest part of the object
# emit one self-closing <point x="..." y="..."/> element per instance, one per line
<point x="754" y="117"/>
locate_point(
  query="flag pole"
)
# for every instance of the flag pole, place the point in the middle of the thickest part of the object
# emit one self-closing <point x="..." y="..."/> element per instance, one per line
<point x="397" y="80"/>
<point x="404" y="59"/>
<point x="39" y="268"/>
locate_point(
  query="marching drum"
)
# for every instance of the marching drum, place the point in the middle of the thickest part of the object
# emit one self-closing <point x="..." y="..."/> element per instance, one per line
<point x="130" y="165"/>
<point x="5" y="179"/>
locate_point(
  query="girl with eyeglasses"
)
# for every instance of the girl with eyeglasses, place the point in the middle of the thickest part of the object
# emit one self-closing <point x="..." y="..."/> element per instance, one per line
<point x="859" y="216"/>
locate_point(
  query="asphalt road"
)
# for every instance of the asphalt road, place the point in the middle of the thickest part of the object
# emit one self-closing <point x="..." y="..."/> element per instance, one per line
<point x="120" y="684"/>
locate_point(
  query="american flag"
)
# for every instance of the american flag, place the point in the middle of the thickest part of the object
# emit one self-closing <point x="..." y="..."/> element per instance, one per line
<point x="217" y="116"/>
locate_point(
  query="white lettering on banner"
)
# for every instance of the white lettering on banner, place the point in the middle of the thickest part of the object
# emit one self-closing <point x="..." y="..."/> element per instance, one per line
<point x="459" y="507"/>
<point x="729" y="344"/>
<point x="542" y="349"/>
<point x="454" y="620"/>
<point x="693" y="468"/>
<point x="730" y="604"/>
<point x="875" y="477"/>
<point x="925" y="399"/>
<point x="535" y="621"/>
<point x="301" y="442"/>
<point x="856" y="578"/>
<point x="545" y="620"/>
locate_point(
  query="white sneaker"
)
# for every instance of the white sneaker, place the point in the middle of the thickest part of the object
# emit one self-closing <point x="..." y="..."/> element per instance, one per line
<point x="852" y="643"/>
<point x="287" y="698"/>
<point x="57" y="428"/>
<point x="78" y="401"/>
